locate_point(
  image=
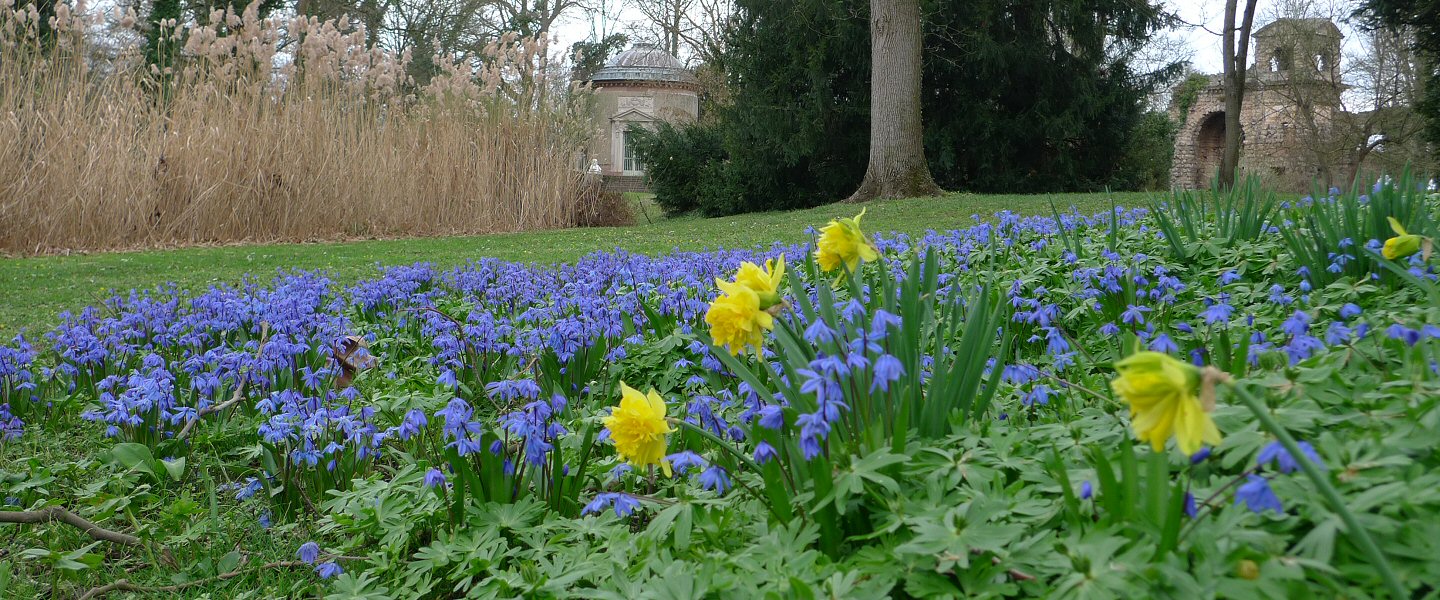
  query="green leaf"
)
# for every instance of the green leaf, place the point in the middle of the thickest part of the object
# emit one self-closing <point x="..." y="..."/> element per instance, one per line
<point x="229" y="562"/>
<point x="176" y="468"/>
<point x="134" y="457"/>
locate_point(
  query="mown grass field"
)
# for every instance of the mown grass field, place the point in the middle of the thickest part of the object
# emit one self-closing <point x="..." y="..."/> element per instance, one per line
<point x="37" y="289"/>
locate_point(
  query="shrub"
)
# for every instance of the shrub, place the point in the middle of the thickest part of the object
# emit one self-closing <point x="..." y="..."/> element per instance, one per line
<point x="682" y="164"/>
<point x="1145" y="164"/>
<point x="599" y="207"/>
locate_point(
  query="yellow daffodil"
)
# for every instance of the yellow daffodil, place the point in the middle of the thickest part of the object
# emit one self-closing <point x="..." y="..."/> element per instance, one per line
<point x="736" y="320"/>
<point x="1161" y="392"/>
<point x="638" y="428"/>
<point x="841" y="242"/>
<point x="1403" y="244"/>
<point x="764" y="282"/>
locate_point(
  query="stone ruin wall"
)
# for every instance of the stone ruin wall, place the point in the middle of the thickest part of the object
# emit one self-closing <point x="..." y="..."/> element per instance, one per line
<point x="1273" y="144"/>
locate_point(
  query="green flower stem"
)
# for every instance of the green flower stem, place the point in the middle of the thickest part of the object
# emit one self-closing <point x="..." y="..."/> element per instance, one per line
<point x="1361" y="537"/>
<point x="749" y="462"/>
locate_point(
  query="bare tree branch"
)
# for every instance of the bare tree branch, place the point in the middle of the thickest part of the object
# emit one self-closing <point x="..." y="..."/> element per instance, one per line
<point x="62" y="515"/>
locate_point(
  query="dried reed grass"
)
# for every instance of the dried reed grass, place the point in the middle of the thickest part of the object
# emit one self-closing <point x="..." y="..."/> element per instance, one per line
<point x="270" y="130"/>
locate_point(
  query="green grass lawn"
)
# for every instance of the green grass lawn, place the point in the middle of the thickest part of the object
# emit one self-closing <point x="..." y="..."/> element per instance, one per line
<point x="37" y="289"/>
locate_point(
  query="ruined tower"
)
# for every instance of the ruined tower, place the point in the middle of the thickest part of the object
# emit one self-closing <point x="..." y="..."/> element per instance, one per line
<point x="1292" y="94"/>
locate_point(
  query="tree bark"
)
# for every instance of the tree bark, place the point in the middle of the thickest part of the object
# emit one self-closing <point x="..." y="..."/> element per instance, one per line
<point x="897" y="167"/>
<point x="1235" y="61"/>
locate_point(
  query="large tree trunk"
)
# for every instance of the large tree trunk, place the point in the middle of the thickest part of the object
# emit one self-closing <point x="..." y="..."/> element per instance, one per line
<point x="897" y="166"/>
<point x="1235" y="61"/>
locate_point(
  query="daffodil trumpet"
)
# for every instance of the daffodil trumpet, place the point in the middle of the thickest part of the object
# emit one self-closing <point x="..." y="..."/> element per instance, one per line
<point x="1161" y="392"/>
<point x="746" y="307"/>
<point x="1404" y="244"/>
<point x="639" y="428"/>
<point x="842" y="243"/>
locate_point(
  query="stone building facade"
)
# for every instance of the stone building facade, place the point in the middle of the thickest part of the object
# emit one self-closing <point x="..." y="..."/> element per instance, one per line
<point x="640" y="87"/>
<point x="1292" y="95"/>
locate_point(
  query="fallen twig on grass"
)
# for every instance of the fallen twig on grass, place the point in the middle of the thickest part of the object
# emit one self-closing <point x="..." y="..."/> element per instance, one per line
<point x="124" y="585"/>
<point x="63" y="515"/>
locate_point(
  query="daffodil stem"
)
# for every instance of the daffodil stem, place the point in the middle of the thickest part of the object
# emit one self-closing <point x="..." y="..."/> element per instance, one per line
<point x="1358" y="533"/>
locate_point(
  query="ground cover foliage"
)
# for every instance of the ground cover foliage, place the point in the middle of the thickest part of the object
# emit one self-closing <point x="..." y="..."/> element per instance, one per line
<point x="937" y="421"/>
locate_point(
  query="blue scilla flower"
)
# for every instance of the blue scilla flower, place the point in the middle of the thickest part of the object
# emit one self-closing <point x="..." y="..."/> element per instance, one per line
<point x="683" y="461"/>
<point x="772" y="417"/>
<point x="1277" y="295"/>
<point x="1200" y="456"/>
<point x="447" y="378"/>
<point x="887" y="370"/>
<point x="1350" y="311"/>
<point x="248" y="489"/>
<point x="11" y="427"/>
<point x="814" y="429"/>
<point x="1256" y="495"/>
<point x="1109" y="329"/>
<point x="411" y="425"/>
<point x="1019" y="374"/>
<point x="1302" y="347"/>
<point x="819" y="332"/>
<point x="623" y="504"/>
<point x="308" y="553"/>
<point x="511" y="390"/>
<point x="1055" y="341"/>
<point x="434" y="478"/>
<point x="1229" y="277"/>
<point x="329" y="569"/>
<point x="715" y="478"/>
<point x="1401" y="332"/>
<point x="619" y="471"/>
<point x="1190" y="509"/>
<point x="883" y="321"/>
<point x="1086" y="490"/>
<point x="1297" y="324"/>
<point x="1163" y="343"/>
<point x="764" y="452"/>
<point x="1134" y="314"/>
<point x="1275" y="452"/>
<point x="1337" y="334"/>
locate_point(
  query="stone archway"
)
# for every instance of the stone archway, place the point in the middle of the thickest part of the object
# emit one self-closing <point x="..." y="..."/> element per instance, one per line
<point x="1209" y="148"/>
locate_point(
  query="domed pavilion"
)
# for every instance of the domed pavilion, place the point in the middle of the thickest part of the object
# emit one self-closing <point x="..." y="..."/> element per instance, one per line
<point x="638" y="87"/>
